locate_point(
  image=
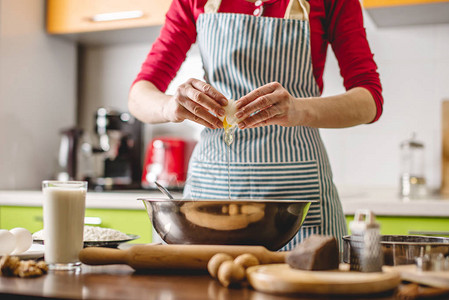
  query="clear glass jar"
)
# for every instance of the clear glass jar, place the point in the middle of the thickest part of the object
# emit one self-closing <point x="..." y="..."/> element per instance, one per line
<point x="412" y="177"/>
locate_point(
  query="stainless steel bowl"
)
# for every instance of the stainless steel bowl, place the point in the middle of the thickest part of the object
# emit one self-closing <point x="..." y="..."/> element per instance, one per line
<point x="403" y="249"/>
<point x="270" y="223"/>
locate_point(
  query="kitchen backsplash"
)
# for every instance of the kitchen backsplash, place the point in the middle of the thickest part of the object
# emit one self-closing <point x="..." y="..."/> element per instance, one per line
<point x="37" y="94"/>
<point x="414" y="67"/>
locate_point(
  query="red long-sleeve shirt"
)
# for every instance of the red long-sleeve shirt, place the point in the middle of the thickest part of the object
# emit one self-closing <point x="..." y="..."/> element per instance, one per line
<point x="335" y="22"/>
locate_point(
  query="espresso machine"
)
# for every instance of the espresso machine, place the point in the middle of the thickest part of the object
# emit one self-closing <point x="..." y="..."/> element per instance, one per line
<point x="110" y="157"/>
<point x="117" y="151"/>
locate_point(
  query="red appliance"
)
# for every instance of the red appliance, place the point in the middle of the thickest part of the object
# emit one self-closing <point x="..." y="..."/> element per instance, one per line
<point x="166" y="161"/>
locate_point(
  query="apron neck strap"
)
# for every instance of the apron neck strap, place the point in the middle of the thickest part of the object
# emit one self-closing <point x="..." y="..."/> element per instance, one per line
<point x="211" y="6"/>
<point x="296" y="9"/>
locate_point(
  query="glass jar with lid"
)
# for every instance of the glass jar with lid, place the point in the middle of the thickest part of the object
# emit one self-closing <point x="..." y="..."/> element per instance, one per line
<point x="412" y="177"/>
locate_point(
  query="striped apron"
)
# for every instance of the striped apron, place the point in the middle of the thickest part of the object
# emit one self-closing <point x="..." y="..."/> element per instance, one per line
<point x="241" y="53"/>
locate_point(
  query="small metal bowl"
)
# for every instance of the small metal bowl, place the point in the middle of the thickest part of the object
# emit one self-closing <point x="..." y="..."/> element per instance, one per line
<point x="269" y="223"/>
<point x="403" y="249"/>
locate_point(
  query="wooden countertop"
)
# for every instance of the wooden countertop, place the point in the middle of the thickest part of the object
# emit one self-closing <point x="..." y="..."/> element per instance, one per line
<point x="121" y="282"/>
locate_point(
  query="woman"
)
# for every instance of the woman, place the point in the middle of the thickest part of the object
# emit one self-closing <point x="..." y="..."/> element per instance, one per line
<point x="266" y="57"/>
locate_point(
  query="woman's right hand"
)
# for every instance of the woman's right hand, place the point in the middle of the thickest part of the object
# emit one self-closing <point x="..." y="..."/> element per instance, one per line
<point x="196" y="100"/>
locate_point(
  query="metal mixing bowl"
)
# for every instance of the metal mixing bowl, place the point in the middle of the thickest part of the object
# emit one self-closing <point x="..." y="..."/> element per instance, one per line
<point x="269" y="223"/>
<point x="403" y="249"/>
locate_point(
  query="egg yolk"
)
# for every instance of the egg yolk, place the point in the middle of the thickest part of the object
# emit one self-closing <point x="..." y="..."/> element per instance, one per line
<point x="226" y="125"/>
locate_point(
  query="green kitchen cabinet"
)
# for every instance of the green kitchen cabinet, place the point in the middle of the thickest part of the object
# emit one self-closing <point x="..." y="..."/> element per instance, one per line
<point x="127" y="221"/>
<point x="402" y="225"/>
<point x="21" y="216"/>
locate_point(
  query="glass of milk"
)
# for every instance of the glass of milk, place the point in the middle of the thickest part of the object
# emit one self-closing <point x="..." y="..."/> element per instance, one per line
<point x="64" y="206"/>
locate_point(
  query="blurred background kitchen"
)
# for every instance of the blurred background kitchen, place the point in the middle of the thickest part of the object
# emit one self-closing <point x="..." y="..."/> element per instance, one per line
<point x="51" y="82"/>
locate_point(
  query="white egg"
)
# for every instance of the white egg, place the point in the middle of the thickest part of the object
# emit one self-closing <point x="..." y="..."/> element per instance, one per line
<point x="7" y="242"/>
<point x="24" y="239"/>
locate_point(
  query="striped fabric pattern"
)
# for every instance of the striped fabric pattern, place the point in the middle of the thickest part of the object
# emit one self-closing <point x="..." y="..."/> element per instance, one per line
<point x="241" y="53"/>
<point x="257" y="54"/>
<point x="292" y="181"/>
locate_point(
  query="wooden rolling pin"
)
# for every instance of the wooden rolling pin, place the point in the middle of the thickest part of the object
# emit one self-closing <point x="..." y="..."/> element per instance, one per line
<point x="159" y="257"/>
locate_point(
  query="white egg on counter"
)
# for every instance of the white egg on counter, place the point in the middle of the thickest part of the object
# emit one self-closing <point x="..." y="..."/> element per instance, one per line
<point x="24" y="239"/>
<point x="7" y="242"/>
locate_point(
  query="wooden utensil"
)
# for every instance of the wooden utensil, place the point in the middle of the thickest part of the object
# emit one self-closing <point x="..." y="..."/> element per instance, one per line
<point x="445" y="148"/>
<point x="159" y="257"/>
<point x="438" y="279"/>
<point x="281" y="279"/>
<point x="414" y="291"/>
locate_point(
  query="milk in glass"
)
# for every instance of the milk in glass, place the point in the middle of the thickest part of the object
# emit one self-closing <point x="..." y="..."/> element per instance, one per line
<point x="64" y="207"/>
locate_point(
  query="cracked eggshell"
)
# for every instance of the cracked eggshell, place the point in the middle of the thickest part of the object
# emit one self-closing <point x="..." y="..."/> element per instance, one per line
<point x="7" y="242"/>
<point x="230" y="111"/>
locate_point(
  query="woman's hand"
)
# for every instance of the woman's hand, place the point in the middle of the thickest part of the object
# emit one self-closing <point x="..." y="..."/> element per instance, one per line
<point x="195" y="100"/>
<point x="271" y="104"/>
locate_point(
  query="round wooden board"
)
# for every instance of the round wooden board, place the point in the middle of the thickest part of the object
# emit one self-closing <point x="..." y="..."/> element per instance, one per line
<point x="281" y="279"/>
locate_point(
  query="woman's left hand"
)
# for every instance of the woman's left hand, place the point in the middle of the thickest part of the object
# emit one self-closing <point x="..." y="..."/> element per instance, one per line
<point x="271" y="104"/>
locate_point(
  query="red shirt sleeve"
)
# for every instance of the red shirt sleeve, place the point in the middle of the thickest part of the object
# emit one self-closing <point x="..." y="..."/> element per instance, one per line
<point x="169" y="50"/>
<point x="347" y="36"/>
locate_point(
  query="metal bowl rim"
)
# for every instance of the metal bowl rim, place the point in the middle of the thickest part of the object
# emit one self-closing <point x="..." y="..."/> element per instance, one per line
<point x="347" y="238"/>
<point x="228" y="201"/>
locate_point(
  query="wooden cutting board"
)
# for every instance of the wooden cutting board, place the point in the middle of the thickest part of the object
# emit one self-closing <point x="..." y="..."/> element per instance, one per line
<point x="438" y="279"/>
<point x="281" y="279"/>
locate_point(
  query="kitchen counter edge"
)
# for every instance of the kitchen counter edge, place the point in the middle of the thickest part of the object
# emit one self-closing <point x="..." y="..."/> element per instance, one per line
<point x="382" y="201"/>
<point x="102" y="200"/>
